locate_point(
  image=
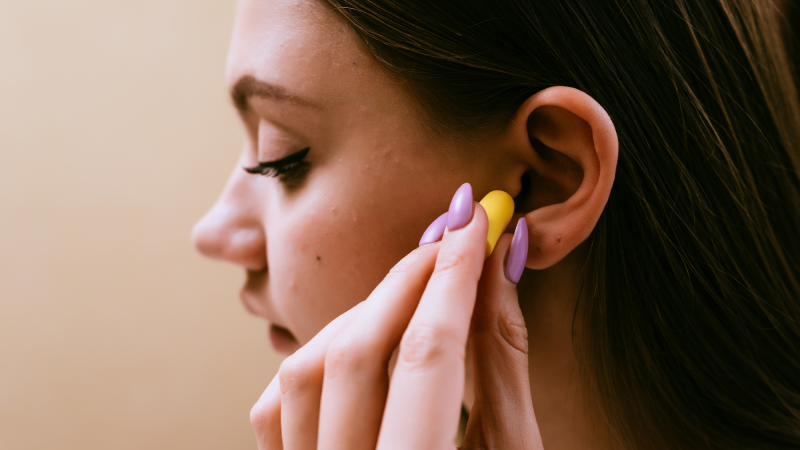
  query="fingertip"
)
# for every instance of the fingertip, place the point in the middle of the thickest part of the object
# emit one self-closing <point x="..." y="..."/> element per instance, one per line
<point x="498" y="259"/>
<point x="497" y="309"/>
<point x="480" y="218"/>
<point x="461" y="252"/>
<point x="475" y="230"/>
<point x="435" y="230"/>
<point x="461" y="208"/>
<point x="495" y="291"/>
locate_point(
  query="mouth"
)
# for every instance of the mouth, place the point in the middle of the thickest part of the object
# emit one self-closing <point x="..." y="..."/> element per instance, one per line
<point x="249" y="295"/>
<point x="282" y="340"/>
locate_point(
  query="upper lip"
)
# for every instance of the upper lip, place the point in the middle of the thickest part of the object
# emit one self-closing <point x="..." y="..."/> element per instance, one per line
<point x="252" y="305"/>
<point x="251" y="296"/>
<point x="250" y="293"/>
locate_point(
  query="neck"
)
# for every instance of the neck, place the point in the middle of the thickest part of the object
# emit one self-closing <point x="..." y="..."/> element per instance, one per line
<point x="548" y="299"/>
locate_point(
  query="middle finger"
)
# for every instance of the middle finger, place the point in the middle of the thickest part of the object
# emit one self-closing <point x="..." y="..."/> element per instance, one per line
<point x="424" y="403"/>
<point x="356" y="376"/>
<point x="300" y="379"/>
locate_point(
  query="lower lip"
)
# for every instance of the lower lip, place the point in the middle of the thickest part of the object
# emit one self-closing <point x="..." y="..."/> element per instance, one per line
<point x="282" y="340"/>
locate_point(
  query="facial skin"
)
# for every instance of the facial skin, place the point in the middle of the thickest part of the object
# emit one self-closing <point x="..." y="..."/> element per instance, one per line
<point x="317" y="244"/>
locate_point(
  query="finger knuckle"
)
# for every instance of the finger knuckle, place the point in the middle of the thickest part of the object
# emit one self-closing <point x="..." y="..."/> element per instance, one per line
<point x="296" y="374"/>
<point x="511" y="328"/>
<point x="347" y="355"/>
<point x="454" y="265"/>
<point x="424" y="345"/>
<point x="263" y="416"/>
<point x="448" y="261"/>
<point x="405" y="265"/>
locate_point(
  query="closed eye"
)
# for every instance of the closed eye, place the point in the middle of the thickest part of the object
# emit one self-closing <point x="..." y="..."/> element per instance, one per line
<point x="286" y="167"/>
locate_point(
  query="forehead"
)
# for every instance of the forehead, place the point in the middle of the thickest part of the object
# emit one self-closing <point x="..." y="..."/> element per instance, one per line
<point x="302" y="46"/>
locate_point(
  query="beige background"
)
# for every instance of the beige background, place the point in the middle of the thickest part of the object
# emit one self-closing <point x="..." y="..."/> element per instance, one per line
<point x="115" y="136"/>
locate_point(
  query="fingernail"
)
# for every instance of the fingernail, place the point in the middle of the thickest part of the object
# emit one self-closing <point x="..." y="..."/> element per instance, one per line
<point x="518" y="254"/>
<point x="460" y="212"/>
<point x="435" y="230"/>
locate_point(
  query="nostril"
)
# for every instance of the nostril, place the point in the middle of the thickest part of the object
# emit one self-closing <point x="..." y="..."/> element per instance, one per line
<point x="248" y="248"/>
<point x="232" y="233"/>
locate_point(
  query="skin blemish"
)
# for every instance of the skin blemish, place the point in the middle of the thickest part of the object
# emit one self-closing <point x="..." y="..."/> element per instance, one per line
<point x="558" y="240"/>
<point x="319" y="258"/>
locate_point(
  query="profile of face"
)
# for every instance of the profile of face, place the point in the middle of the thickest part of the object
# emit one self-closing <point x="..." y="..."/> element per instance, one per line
<point x="353" y="173"/>
<point x="316" y="236"/>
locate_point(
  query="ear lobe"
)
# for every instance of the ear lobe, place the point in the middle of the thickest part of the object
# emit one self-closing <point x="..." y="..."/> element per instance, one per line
<point x="572" y="150"/>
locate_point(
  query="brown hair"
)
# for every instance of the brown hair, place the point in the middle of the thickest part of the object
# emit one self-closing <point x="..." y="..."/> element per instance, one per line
<point x="691" y="328"/>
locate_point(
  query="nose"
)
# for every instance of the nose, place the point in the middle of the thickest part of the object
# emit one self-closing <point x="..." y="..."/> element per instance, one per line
<point x="232" y="230"/>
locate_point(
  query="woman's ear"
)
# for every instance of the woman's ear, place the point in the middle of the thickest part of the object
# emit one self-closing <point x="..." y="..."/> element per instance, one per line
<point x="570" y="146"/>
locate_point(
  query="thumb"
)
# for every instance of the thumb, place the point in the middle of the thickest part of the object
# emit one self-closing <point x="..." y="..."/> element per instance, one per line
<point x="502" y="415"/>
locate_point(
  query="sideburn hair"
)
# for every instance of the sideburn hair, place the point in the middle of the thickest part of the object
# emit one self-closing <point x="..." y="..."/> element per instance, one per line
<point x="690" y="333"/>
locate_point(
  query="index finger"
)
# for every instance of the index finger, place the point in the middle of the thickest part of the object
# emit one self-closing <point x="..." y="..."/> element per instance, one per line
<point x="424" y="403"/>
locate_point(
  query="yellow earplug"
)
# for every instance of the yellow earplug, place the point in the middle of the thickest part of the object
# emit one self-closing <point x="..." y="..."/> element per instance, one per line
<point x="499" y="208"/>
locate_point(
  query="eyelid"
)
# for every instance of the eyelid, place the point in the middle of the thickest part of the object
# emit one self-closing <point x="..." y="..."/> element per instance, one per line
<point x="293" y="158"/>
<point x="264" y="168"/>
<point x="273" y="137"/>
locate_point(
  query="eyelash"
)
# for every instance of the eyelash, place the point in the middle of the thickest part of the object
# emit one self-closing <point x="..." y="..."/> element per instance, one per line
<point x="291" y="167"/>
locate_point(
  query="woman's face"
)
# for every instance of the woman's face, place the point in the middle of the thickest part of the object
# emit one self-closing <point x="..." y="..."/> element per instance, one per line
<point x="316" y="239"/>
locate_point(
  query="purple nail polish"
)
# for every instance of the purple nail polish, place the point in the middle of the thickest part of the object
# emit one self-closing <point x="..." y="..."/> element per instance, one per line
<point x="435" y="230"/>
<point x="518" y="254"/>
<point x="460" y="212"/>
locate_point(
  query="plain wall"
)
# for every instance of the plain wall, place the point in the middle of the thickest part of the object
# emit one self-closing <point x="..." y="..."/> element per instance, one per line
<point x="116" y="134"/>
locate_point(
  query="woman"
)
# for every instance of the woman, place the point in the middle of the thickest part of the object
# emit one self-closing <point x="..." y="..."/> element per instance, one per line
<point x="651" y="148"/>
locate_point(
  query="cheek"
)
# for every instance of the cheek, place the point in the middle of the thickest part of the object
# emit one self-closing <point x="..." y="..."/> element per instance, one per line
<point x="330" y="247"/>
<point x="326" y="260"/>
<point x="331" y="256"/>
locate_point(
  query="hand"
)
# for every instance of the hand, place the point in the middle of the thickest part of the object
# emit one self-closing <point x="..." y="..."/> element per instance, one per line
<point x="336" y="393"/>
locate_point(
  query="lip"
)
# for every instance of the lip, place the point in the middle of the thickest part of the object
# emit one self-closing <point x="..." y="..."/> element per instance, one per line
<point x="249" y="294"/>
<point x="251" y="303"/>
<point x="281" y="339"/>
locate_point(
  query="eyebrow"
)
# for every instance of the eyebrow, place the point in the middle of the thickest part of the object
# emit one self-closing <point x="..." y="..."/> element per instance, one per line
<point x="248" y="86"/>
